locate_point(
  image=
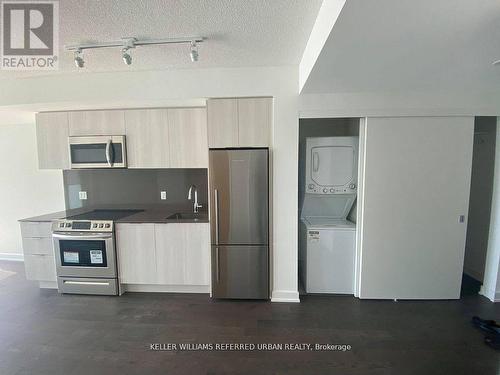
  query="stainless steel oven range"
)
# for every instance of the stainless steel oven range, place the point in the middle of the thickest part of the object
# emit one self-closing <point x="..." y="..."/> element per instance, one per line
<point x="85" y="252"/>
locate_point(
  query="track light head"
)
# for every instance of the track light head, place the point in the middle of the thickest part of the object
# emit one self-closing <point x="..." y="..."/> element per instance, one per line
<point x="127" y="58"/>
<point x="79" y="62"/>
<point x="194" y="52"/>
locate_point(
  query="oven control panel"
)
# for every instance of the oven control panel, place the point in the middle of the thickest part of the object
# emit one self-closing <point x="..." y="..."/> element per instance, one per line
<point x="82" y="226"/>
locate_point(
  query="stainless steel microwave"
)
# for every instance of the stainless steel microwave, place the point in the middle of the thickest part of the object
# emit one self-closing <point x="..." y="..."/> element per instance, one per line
<point x="100" y="151"/>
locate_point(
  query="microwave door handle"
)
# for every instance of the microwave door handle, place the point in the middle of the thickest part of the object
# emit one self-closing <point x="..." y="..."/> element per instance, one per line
<point x="108" y="153"/>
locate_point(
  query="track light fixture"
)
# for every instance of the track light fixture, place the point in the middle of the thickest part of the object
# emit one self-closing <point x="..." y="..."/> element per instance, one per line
<point x="125" y="44"/>
<point x="194" y="52"/>
<point x="127" y="59"/>
<point x="79" y="62"/>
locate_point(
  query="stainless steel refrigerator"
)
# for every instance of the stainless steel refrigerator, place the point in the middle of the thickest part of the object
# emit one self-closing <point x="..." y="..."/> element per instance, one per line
<point x="239" y="221"/>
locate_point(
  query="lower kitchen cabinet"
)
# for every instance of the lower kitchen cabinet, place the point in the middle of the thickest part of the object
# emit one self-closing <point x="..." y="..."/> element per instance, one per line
<point x="164" y="254"/>
<point x="38" y="249"/>
<point x="135" y="244"/>
<point x="183" y="253"/>
<point x="40" y="267"/>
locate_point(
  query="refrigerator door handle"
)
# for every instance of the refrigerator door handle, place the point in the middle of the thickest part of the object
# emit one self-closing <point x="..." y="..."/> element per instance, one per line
<point x="216" y="200"/>
<point x="217" y="273"/>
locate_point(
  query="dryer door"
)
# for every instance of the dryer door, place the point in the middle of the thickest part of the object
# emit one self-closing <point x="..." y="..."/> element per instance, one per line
<point x="332" y="165"/>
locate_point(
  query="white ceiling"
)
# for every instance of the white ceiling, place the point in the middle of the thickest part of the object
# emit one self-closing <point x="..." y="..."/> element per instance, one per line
<point x="240" y="32"/>
<point x="402" y="45"/>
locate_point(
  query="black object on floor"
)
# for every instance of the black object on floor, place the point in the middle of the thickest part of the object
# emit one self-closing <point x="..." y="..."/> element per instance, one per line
<point x="493" y="341"/>
<point x="491" y="328"/>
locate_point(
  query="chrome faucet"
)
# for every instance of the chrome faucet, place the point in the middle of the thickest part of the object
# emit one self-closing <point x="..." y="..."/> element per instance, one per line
<point x="195" y="204"/>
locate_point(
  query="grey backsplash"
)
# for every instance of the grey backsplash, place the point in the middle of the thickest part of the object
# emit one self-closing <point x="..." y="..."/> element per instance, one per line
<point x="133" y="186"/>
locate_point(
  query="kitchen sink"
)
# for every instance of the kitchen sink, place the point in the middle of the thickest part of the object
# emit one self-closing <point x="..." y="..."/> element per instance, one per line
<point x="188" y="216"/>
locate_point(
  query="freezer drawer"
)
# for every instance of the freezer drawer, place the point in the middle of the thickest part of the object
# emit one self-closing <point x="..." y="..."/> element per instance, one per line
<point x="240" y="272"/>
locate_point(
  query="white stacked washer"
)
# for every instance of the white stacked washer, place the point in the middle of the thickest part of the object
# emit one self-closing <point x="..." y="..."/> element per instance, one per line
<point x="328" y="238"/>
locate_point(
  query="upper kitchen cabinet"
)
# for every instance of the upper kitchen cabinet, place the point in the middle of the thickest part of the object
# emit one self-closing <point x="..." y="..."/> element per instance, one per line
<point x="222" y="123"/>
<point x="147" y="138"/>
<point x="239" y="122"/>
<point x="254" y="122"/>
<point x="85" y="123"/>
<point x="52" y="140"/>
<point x="188" y="137"/>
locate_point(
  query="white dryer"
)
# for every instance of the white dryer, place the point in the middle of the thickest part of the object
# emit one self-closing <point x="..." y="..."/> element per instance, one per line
<point x="327" y="238"/>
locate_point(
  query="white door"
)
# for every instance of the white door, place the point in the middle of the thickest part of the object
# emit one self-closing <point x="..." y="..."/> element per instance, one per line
<point x="416" y="183"/>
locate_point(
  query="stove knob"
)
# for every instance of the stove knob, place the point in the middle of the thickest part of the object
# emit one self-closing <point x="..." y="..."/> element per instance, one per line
<point x="107" y="226"/>
<point x="101" y="225"/>
<point x="352" y="186"/>
<point x="311" y="186"/>
<point x="325" y="190"/>
<point x="61" y="225"/>
<point x="94" y="225"/>
<point x="68" y="225"/>
<point x="332" y="190"/>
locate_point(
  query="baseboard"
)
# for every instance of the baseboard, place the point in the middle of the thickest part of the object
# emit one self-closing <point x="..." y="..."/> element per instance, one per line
<point x="148" y="288"/>
<point x="490" y="294"/>
<point x="47" y="284"/>
<point x="285" y="296"/>
<point x="15" y="257"/>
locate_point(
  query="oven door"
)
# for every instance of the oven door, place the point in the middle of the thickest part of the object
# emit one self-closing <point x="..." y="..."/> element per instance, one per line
<point x="98" y="152"/>
<point x="85" y="255"/>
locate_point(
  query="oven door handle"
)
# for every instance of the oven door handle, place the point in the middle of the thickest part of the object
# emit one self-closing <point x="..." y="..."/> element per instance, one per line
<point x="89" y="236"/>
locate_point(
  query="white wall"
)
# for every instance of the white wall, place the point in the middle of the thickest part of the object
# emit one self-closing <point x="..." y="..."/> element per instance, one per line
<point x="328" y="14"/>
<point x="147" y="89"/>
<point x="24" y="190"/>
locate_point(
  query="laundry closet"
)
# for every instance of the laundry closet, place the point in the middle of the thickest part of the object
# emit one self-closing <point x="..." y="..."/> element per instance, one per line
<point x="328" y="183"/>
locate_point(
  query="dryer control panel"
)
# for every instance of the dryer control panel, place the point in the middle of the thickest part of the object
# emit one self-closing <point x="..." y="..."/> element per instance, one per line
<point x="315" y="189"/>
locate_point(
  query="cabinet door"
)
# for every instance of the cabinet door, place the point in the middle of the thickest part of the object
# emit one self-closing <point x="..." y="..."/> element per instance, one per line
<point x="254" y="122"/>
<point x="40" y="267"/>
<point x="183" y="253"/>
<point x="222" y="123"/>
<point x="188" y="138"/>
<point x="52" y="140"/>
<point x="110" y="122"/>
<point x="147" y="138"/>
<point x="135" y="244"/>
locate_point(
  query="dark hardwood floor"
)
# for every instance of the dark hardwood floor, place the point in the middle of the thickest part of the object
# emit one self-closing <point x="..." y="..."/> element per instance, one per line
<point x="42" y="332"/>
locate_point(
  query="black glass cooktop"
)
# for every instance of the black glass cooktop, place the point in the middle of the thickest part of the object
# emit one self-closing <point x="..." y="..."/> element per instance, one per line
<point x="104" y="215"/>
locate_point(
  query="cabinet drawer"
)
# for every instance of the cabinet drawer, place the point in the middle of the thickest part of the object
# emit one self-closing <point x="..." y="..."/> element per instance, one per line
<point x="37" y="246"/>
<point x="37" y="230"/>
<point x="40" y="267"/>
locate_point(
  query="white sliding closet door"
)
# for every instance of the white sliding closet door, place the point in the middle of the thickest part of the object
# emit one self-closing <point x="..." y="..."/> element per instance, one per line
<point x="416" y="183"/>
